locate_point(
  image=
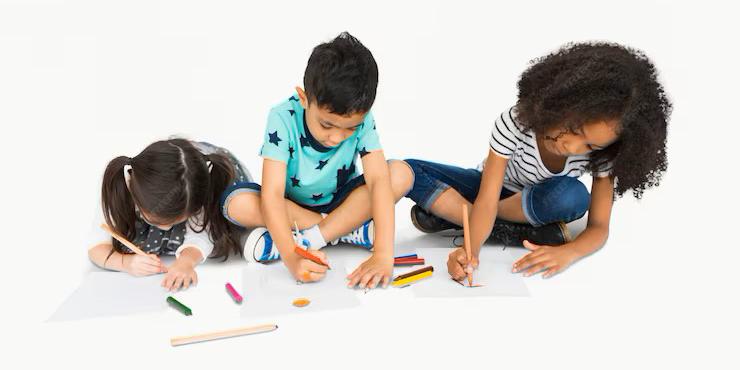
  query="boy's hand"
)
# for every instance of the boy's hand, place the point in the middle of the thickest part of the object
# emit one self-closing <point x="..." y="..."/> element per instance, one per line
<point x="305" y="270"/>
<point x="458" y="265"/>
<point x="181" y="273"/>
<point x="545" y="258"/>
<point x="137" y="265"/>
<point x="374" y="270"/>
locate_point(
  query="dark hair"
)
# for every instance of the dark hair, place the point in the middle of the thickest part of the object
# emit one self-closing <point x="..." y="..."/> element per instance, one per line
<point x="168" y="180"/>
<point x="586" y="82"/>
<point x="342" y="76"/>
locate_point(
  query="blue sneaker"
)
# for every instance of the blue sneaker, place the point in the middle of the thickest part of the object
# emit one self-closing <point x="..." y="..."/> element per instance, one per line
<point x="362" y="236"/>
<point x="259" y="246"/>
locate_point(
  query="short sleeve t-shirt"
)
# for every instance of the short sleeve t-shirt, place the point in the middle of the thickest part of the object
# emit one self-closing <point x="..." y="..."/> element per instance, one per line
<point x="314" y="172"/>
<point x="509" y="139"/>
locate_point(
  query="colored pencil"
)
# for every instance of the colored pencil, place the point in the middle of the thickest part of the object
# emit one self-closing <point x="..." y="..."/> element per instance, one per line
<point x="411" y="279"/>
<point x="179" y="306"/>
<point x="233" y="293"/>
<point x="123" y="240"/>
<point x="466" y="238"/>
<point x="406" y="256"/>
<point x="308" y="255"/>
<point x="178" y="341"/>
<point x="415" y="272"/>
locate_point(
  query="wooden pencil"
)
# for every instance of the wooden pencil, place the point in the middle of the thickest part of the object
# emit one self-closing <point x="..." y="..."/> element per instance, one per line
<point x="466" y="238"/>
<point x="415" y="272"/>
<point x="178" y="341"/>
<point x="123" y="240"/>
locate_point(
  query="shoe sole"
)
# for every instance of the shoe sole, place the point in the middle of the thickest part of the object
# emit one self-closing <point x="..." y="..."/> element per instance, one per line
<point x="566" y="232"/>
<point x="252" y="240"/>
<point x="450" y="231"/>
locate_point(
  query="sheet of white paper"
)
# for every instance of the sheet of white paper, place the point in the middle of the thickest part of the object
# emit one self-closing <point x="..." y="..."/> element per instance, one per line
<point x="271" y="289"/>
<point x="494" y="273"/>
<point x="103" y="294"/>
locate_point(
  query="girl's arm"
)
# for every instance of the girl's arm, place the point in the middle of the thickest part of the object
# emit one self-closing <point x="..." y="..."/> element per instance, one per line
<point x="131" y="263"/>
<point x="275" y="213"/>
<point x="379" y="267"/>
<point x="552" y="260"/>
<point x="482" y="215"/>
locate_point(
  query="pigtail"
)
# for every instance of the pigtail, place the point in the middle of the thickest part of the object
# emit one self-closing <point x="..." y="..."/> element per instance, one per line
<point x="118" y="206"/>
<point x="223" y="233"/>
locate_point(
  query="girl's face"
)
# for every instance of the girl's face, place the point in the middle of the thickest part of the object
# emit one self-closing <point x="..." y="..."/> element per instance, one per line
<point x="592" y="136"/>
<point x="330" y="129"/>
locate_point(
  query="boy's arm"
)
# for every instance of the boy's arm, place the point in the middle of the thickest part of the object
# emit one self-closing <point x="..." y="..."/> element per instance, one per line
<point x="275" y="213"/>
<point x="379" y="267"/>
<point x="552" y="260"/>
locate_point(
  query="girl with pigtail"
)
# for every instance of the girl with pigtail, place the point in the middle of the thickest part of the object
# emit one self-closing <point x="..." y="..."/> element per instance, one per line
<point x="165" y="200"/>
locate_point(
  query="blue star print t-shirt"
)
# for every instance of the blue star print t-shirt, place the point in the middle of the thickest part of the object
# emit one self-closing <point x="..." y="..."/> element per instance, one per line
<point x="314" y="172"/>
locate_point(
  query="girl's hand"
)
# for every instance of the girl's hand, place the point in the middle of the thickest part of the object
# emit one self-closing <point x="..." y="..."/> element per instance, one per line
<point x="551" y="260"/>
<point x="137" y="265"/>
<point x="457" y="264"/>
<point x="305" y="270"/>
<point x="374" y="270"/>
<point x="180" y="274"/>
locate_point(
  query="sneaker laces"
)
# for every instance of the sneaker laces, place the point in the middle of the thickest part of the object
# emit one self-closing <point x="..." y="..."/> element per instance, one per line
<point x="357" y="236"/>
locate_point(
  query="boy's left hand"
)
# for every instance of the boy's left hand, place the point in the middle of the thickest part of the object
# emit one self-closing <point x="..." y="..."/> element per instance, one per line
<point x="180" y="274"/>
<point x="550" y="260"/>
<point x="374" y="270"/>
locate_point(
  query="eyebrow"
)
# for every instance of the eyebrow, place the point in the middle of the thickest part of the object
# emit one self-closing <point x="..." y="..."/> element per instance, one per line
<point x="333" y="125"/>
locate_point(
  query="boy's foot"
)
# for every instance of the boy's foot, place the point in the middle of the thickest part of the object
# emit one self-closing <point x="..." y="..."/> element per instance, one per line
<point x="259" y="246"/>
<point x="514" y="234"/>
<point x="362" y="236"/>
<point x="429" y="223"/>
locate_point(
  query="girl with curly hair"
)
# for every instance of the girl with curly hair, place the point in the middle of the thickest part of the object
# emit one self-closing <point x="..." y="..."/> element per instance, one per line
<point x="587" y="107"/>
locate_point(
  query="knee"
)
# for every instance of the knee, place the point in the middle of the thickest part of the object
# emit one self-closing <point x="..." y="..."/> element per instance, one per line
<point x="573" y="197"/>
<point x="402" y="177"/>
<point x="244" y="208"/>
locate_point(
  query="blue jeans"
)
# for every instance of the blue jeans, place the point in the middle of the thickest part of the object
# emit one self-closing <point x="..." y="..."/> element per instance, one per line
<point x="556" y="199"/>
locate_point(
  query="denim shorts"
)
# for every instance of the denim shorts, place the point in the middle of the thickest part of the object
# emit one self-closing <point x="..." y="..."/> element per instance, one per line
<point x="560" y="198"/>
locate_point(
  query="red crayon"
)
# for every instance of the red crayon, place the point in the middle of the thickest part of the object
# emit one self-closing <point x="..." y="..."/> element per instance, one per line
<point x="233" y="293"/>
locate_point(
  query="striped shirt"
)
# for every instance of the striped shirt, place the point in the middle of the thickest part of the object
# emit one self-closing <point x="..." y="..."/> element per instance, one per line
<point x="525" y="167"/>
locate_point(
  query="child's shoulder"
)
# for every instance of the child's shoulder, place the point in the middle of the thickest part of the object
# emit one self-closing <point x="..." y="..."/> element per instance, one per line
<point x="289" y="106"/>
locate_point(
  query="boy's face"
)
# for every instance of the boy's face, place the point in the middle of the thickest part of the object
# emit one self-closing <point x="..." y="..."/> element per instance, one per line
<point x="330" y="129"/>
<point x="592" y="136"/>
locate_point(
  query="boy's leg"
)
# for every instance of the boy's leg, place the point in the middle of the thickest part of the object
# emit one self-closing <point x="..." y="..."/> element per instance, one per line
<point x="356" y="208"/>
<point x="241" y="205"/>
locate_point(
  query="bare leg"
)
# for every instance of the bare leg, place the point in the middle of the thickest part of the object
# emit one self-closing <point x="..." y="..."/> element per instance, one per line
<point x="356" y="209"/>
<point x="449" y="203"/>
<point x="245" y="209"/>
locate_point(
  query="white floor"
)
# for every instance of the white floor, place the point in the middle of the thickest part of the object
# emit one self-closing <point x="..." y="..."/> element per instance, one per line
<point x="83" y="81"/>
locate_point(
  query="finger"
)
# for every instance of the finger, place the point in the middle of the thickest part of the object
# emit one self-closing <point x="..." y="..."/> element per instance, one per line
<point x="314" y="267"/>
<point x="321" y="255"/>
<point x="386" y="281"/>
<point x="531" y="246"/>
<point x="366" y="279"/>
<point x="166" y="281"/>
<point x="195" y="278"/>
<point x="355" y="279"/>
<point x="374" y="281"/>
<point x="178" y="282"/>
<point x="550" y="272"/>
<point x="528" y="256"/>
<point x="455" y="270"/>
<point x="356" y="273"/>
<point x="533" y="261"/>
<point x="186" y="282"/>
<point x="315" y="276"/>
<point x="536" y="268"/>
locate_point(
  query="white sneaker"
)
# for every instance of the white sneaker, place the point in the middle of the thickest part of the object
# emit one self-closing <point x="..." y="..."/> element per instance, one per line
<point x="259" y="246"/>
<point x="362" y="236"/>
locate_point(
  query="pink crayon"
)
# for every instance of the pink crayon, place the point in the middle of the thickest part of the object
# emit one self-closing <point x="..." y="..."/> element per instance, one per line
<point x="233" y="293"/>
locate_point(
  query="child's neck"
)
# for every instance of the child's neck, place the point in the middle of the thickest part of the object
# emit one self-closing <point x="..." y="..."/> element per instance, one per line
<point x="554" y="162"/>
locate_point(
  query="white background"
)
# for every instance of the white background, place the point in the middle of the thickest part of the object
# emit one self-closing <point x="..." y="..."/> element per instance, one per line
<point x="84" y="81"/>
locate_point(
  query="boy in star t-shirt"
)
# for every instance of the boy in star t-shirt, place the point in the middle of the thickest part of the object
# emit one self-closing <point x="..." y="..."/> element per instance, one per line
<point x="310" y="175"/>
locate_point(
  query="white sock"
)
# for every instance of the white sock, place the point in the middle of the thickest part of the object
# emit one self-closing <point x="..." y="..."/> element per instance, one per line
<point x="313" y="236"/>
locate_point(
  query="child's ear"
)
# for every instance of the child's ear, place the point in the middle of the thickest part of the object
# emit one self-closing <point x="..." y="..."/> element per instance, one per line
<point x="302" y="97"/>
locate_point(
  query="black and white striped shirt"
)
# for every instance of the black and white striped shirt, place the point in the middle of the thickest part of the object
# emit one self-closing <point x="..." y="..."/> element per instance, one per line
<point x="525" y="167"/>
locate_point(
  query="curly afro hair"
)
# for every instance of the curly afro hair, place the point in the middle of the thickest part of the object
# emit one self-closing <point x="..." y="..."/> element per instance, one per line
<point x="587" y="82"/>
